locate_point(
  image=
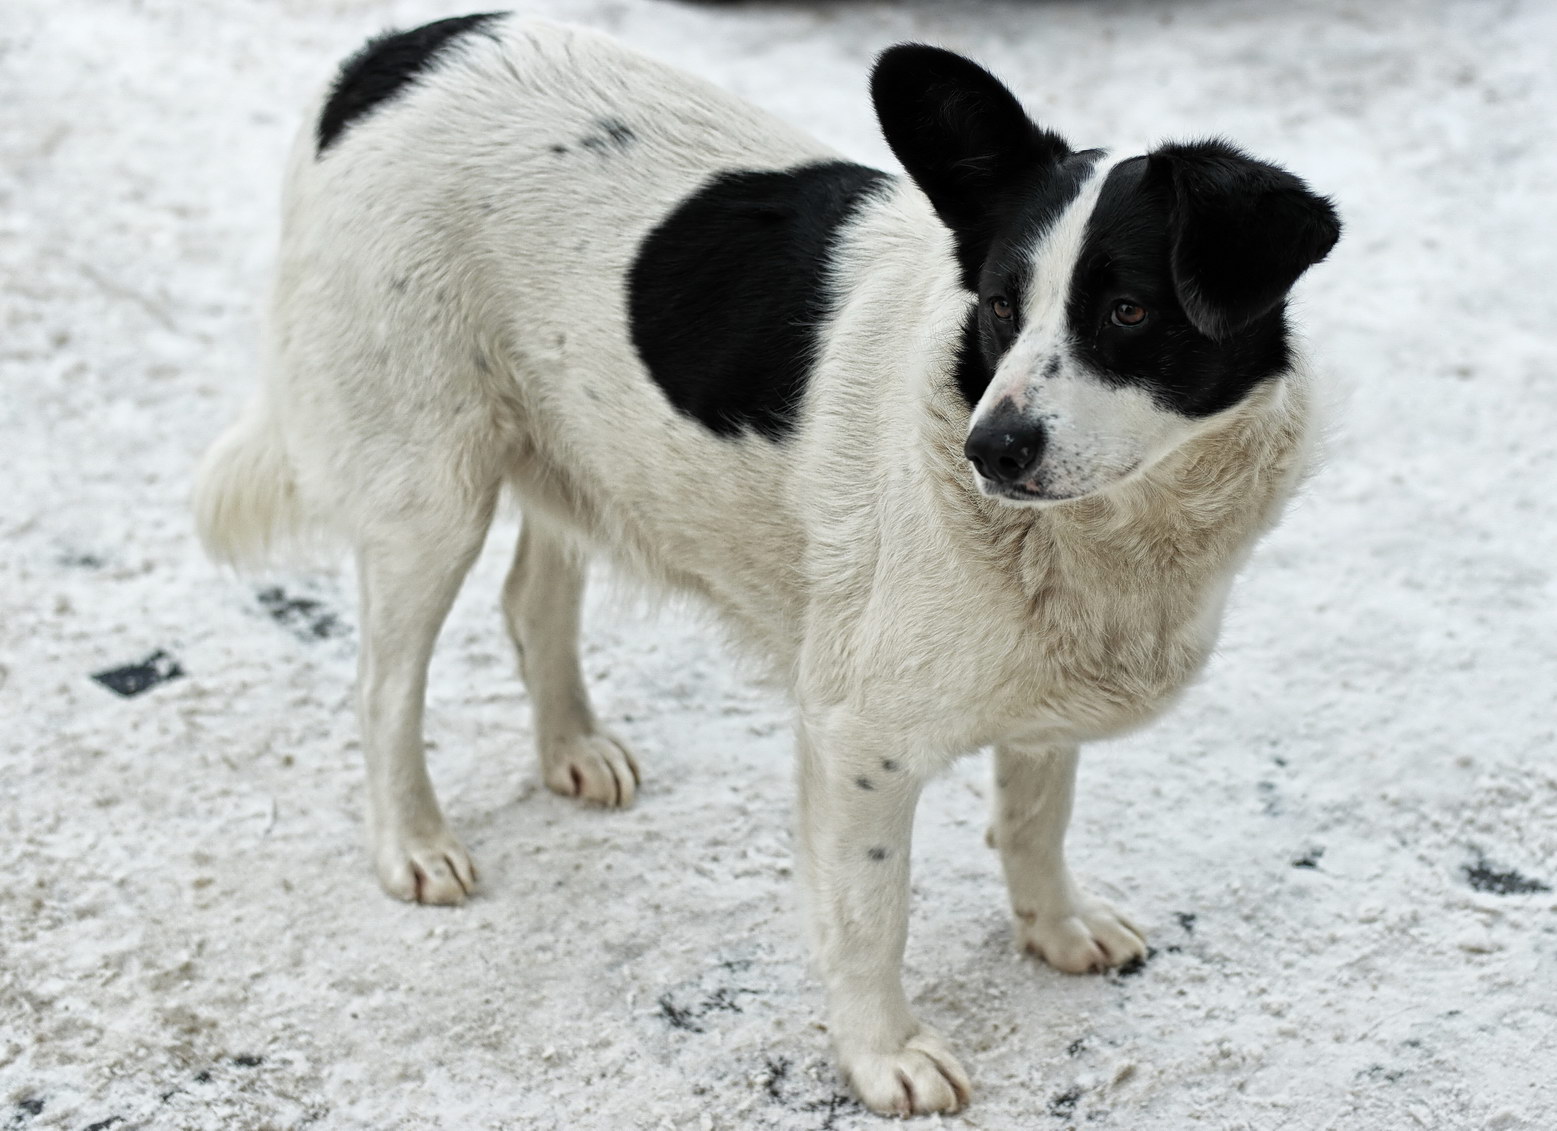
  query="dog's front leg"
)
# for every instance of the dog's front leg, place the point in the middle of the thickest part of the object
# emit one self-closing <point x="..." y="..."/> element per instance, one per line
<point x="1055" y="919"/>
<point x="857" y="799"/>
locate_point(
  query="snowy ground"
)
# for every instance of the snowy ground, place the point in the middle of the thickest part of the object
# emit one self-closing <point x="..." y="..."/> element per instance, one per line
<point x="1343" y="844"/>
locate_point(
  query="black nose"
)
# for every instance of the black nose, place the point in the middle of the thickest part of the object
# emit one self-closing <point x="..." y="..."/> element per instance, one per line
<point x="1005" y="447"/>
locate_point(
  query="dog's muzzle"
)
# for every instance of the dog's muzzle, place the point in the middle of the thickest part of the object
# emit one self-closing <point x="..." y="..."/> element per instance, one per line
<point x="1006" y="447"/>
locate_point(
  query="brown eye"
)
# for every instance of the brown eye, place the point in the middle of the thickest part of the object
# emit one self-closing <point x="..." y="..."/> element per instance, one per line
<point x="1128" y="314"/>
<point x="1001" y="307"/>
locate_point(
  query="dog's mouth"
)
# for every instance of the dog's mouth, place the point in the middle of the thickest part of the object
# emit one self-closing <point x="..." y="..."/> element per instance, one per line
<point x="1021" y="493"/>
<point x="1038" y="494"/>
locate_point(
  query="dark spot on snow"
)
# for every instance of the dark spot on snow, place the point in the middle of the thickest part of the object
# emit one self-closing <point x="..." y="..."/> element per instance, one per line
<point x="104" y="1124"/>
<point x="1309" y="859"/>
<point x="1282" y="762"/>
<point x="1272" y="805"/>
<point x="689" y="1017"/>
<point x="248" y="1060"/>
<point x="678" y="1017"/>
<point x="888" y="764"/>
<point x="1187" y="921"/>
<point x="81" y="561"/>
<point x="30" y="1107"/>
<point x="1138" y="963"/>
<point x="778" y="1069"/>
<point x="1379" y="1072"/>
<point x="877" y="854"/>
<point x="613" y="135"/>
<point x="1075" y="1047"/>
<point x="1483" y="877"/>
<point x="1063" y="1105"/>
<point x="1173" y="948"/>
<point x="202" y="1077"/>
<point x="864" y="783"/>
<point x="132" y="679"/>
<point x="833" y="1106"/>
<point x="304" y="617"/>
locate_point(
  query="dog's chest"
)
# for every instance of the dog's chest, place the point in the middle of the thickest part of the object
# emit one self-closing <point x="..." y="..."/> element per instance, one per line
<point x="1107" y="645"/>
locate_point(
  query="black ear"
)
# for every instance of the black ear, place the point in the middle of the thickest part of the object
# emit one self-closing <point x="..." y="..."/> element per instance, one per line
<point x="1241" y="232"/>
<point x="963" y="138"/>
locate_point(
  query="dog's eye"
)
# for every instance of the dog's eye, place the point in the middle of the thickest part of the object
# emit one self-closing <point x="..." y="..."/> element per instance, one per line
<point x="1128" y="314"/>
<point x="1002" y="308"/>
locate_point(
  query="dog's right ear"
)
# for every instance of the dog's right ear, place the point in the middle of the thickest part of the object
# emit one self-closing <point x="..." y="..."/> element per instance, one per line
<point x="963" y="138"/>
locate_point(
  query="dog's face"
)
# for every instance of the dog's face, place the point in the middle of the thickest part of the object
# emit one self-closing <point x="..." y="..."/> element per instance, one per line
<point x="1121" y="303"/>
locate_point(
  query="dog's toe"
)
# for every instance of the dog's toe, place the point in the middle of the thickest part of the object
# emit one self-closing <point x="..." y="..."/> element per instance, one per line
<point x="919" y="1078"/>
<point x="1091" y="936"/>
<point x="592" y="767"/>
<point x="425" y="869"/>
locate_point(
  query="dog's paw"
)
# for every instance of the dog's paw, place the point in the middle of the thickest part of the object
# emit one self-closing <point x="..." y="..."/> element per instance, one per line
<point x="594" y="767"/>
<point x="919" y="1078"/>
<point x="1090" y="936"/>
<point x="425" y="869"/>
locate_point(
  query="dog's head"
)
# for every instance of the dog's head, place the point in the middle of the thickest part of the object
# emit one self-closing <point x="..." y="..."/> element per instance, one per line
<point x="1121" y="303"/>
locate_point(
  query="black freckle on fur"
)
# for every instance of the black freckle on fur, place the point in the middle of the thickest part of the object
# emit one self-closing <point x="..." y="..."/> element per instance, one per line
<point x="1075" y="1047"/>
<point x="1483" y="877"/>
<point x="612" y="138"/>
<point x="399" y="283"/>
<point x="1309" y="859"/>
<point x="864" y="783"/>
<point x="559" y="149"/>
<point x="384" y="68"/>
<point x="888" y="764"/>
<point x="248" y="1060"/>
<point x="877" y="854"/>
<point x="202" y="1077"/>
<point x="1187" y="921"/>
<point x="1052" y="369"/>
<point x="1064" y="1104"/>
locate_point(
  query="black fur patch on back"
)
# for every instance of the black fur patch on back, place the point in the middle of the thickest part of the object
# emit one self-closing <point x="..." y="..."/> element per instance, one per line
<point x="727" y="295"/>
<point x="384" y="67"/>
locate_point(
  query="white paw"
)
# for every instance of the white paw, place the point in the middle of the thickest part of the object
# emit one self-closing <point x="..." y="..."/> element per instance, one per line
<point x="595" y="767"/>
<point x="921" y="1077"/>
<point x="1088" y="936"/>
<point x="425" y="869"/>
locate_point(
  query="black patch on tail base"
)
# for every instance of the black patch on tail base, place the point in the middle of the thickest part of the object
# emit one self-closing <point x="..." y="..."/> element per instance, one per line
<point x="728" y="294"/>
<point x="384" y="67"/>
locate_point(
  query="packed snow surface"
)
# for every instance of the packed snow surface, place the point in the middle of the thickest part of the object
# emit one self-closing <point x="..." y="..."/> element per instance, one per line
<point x="1343" y="844"/>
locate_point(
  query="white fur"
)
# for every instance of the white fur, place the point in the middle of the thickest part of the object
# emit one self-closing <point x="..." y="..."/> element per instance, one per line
<point x="449" y="322"/>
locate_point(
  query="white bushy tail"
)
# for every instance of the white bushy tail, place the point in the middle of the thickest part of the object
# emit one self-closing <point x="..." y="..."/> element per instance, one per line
<point x="246" y="501"/>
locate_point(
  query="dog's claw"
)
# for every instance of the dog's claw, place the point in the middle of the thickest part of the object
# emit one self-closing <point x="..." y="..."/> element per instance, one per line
<point x="593" y="767"/>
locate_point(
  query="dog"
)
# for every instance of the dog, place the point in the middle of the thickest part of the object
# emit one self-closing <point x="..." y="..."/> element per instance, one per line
<point x="969" y="456"/>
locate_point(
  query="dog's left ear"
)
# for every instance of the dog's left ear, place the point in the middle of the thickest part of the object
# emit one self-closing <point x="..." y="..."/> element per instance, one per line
<point x="1242" y="232"/>
<point x="964" y="139"/>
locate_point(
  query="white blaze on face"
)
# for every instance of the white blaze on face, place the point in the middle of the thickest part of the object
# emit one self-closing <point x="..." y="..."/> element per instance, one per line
<point x="1096" y="433"/>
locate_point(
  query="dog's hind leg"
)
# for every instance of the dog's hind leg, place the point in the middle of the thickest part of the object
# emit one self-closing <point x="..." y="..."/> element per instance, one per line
<point x="409" y="568"/>
<point x="1055" y="919"/>
<point x="542" y="601"/>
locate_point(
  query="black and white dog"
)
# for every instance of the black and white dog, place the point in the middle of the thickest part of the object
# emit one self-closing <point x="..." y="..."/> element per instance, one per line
<point x="969" y="456"/>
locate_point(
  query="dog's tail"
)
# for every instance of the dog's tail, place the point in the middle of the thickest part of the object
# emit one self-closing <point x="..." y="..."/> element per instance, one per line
<point x="246" y="499"/>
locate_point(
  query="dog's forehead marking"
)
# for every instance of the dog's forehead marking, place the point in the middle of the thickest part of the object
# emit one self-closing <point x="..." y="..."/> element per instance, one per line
<point x="1054" y="252"/>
